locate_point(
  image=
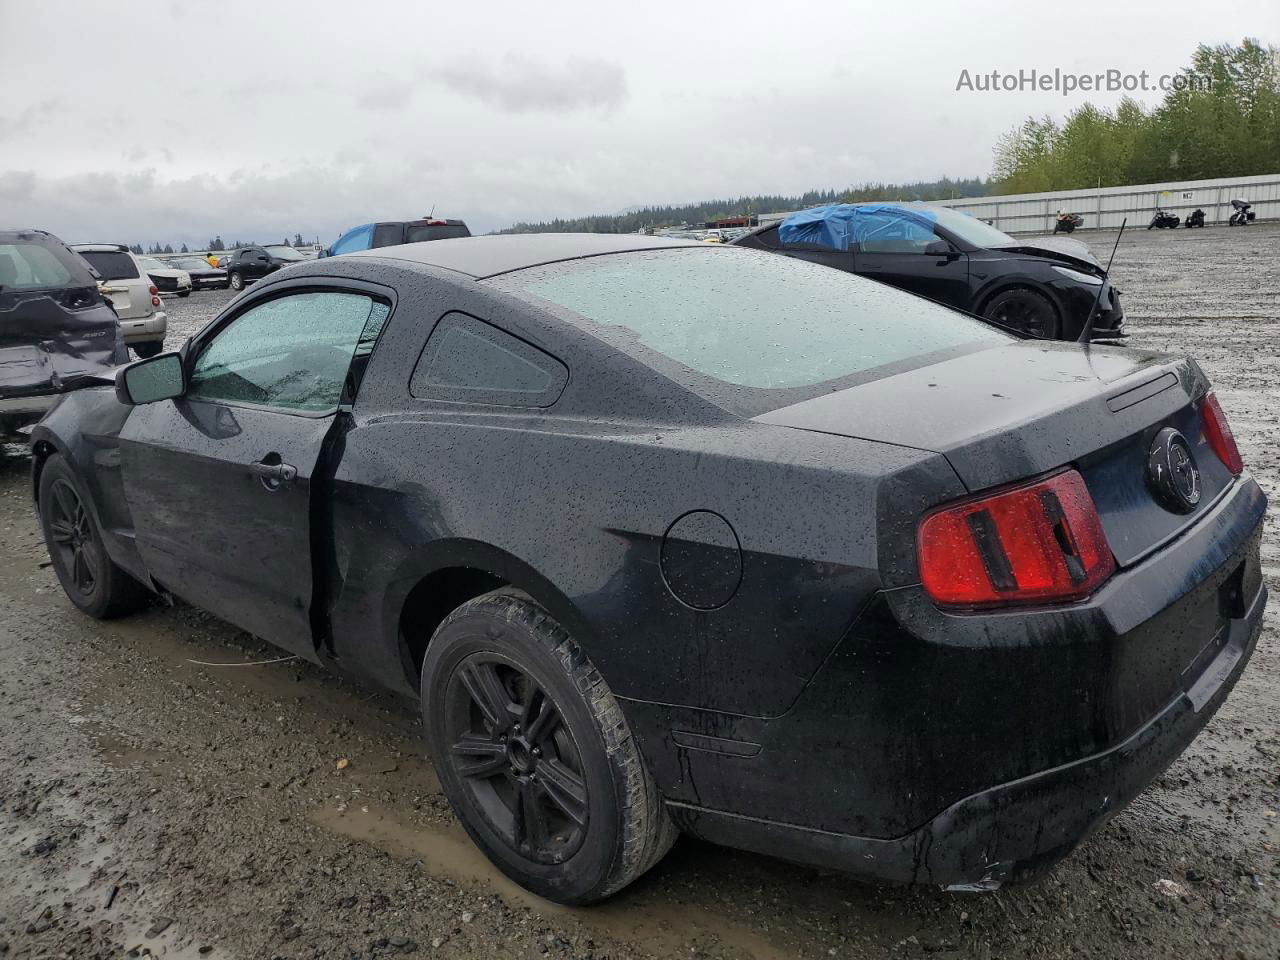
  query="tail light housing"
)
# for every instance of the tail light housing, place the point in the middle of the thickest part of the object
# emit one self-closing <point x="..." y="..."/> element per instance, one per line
<point x="1035" y="543"/>
<point x="153" y="290"/>
<point x="1217" y="433"/>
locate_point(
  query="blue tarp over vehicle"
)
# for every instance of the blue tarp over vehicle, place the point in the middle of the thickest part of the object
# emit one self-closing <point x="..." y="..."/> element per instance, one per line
<point x="838" y="225"/>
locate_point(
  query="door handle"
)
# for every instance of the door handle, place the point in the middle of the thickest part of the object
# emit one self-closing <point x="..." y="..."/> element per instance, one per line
<point x="274" y="473"/>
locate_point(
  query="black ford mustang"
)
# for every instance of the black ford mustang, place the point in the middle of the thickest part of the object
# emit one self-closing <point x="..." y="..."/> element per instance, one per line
<point x="672" y="535"/>
<point x="1042" y="287"/>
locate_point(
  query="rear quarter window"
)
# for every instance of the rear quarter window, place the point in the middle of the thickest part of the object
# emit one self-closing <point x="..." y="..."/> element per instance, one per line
<point x="467" y="360"/>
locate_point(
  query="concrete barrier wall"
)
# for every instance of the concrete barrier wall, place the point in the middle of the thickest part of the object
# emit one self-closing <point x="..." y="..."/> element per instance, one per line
<point x="1108" y="206"/>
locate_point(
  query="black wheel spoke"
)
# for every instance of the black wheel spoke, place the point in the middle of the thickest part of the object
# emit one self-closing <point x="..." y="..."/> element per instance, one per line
<point x="481" y="681"/>
<point x="68" y="506"/>
<point x="540" y="717"/>
<point x="81" y="571"/>
<point x="530" y="819"/>
<point x="565" y="789"/>
<point x="480" y="757"/>
<point x="62" y="531"/>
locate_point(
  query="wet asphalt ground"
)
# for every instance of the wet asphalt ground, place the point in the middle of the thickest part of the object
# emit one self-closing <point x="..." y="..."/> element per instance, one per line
<point x="159" y="796"/>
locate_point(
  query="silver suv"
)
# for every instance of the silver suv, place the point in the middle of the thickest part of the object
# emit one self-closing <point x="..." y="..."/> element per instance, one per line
<point x="136" y="299"/>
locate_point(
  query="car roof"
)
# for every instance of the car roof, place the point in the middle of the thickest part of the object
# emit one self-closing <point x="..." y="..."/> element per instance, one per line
<point x="481" y="257"/>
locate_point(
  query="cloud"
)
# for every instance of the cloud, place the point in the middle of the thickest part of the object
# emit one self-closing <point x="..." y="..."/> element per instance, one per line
<point x="385" y="94"/>
<point x="519" y="84"/>
<point x="29" y="118"/>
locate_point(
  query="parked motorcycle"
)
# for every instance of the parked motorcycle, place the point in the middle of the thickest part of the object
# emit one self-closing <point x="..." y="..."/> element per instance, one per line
<point x="1242" y="214"/>
<point x="1164" y="220"/>
<point x="1195" y="220"/>
<point x="1067" y="222"/>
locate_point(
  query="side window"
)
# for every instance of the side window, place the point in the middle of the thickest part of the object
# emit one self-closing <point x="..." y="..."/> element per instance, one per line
<point x="469" y="361"/>
<point x="899" y="235"/>
<point x="353" y="240"/>
<point x="292" y="352"/>
<point x="388" y="234"/>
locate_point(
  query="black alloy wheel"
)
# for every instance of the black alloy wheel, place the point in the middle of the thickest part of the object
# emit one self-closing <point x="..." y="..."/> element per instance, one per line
<point x="89" y="577"/>
<point x="535" y="754"/>
<point x="1026" y="311"/>
<point x="72" y="545"/>
<point x="236" y="281"/>
<point x="517" y="758"/>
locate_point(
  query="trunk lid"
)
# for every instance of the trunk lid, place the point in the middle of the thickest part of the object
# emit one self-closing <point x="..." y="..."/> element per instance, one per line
<point x="1027" y="408"/>
<point x="46" y="347"/>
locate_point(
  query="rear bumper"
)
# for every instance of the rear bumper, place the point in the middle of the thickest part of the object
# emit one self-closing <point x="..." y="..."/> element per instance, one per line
<point x="146" y="329"/>
<point x="1012" y="830"/>
<point x="17" y="412"/>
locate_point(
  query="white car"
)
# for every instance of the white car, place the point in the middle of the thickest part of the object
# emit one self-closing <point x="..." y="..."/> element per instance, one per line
<point x="135" y="298"/>
<point x="167" y="277"/>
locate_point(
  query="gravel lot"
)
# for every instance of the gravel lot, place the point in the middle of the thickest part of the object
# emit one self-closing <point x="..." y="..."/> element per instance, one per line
<point x="155" y="803"/>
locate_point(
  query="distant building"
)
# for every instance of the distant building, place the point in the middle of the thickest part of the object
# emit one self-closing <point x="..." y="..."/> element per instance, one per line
<point x="748" y="220"/>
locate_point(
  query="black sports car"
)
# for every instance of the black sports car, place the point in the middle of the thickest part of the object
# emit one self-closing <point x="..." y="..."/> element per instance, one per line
<point x="1042" y="287"/>
<point x="676" y="535"/>
<point x="203" y="276"/>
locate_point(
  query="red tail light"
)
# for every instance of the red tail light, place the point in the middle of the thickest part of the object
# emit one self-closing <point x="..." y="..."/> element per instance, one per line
<point x="1039" y="542"/>
<point x="1219" y="436"/>
<point x="155" y="301"/>
<point x="153" y="289"/>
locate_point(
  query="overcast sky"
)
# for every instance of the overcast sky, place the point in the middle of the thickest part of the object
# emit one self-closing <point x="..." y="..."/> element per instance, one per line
<point x="174" y="121"/>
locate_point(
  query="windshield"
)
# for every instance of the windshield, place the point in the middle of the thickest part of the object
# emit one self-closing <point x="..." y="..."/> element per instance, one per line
<point x="970" y="229"/>
<point x="192" y="263"/>
<point x="151" y="263"/>
<point x="284" y="252"/>
<point x="749" y="330"/>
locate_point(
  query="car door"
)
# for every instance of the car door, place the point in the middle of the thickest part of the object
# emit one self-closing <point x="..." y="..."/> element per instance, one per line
<point x="257" y="262"/>
<point x="220" y="481"/>
<point x="905" y="251"/>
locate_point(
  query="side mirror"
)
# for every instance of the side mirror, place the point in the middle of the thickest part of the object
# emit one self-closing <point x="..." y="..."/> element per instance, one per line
<point x="155" y="378"/>
<point x="939" y="248"/>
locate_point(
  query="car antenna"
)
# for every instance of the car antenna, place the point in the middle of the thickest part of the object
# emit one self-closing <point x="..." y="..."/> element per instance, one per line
<point x="1087" y="333"/>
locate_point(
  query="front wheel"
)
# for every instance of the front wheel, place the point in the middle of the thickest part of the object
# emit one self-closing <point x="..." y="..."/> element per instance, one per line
<point x="237" y="281"/>
<point x="535" y="755"/>
<point x="88" y="576"/>
<point x="1026" y="311"/>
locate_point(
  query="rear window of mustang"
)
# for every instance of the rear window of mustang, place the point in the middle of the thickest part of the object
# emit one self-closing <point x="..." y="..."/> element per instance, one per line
<point x="749" y="329"/>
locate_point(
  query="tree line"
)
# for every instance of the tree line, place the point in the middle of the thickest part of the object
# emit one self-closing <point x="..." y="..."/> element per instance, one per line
<point x="1229" y="129"/>
<point x="696" y="214"/>
<point x="215" y="245"/>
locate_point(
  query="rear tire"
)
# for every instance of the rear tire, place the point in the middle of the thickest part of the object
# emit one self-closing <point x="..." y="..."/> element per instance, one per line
<point x="1025" y="310"/>
<point x="149" y="349"/>
<point x="184" y="294"/>
<point x="535" y="755"/>
<point x="236" y="282"/>
<point x="88" y="576"/>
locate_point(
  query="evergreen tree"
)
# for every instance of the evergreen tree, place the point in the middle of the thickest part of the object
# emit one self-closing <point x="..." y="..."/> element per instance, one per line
<point x="1229" y="127"/>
